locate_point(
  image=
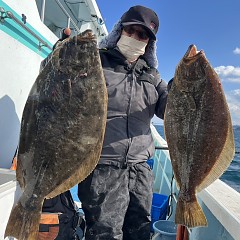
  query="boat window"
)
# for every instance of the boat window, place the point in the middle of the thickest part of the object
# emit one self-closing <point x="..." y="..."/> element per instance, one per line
<point x="76" y="14"/>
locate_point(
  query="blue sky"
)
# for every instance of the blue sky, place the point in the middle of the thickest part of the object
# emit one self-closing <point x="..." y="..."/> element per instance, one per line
<point x="212" y="25"/>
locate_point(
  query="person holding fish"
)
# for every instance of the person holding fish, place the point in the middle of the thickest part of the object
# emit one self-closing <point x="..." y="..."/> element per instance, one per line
<point x="117" y="196"/>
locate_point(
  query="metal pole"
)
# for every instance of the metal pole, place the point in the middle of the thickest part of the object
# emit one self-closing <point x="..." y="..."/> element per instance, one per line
<point x="69" y="21"/>
<point x="161" y="148"/>
<point x="43" y="10"/>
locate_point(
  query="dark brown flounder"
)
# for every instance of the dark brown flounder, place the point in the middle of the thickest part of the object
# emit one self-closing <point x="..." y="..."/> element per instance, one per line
<point x="62" y="130"/>
<point x="198" y="131"/>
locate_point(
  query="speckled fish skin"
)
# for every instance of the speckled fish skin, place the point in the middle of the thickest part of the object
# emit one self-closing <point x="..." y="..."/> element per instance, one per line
<point x="62" y="130"/>
<point x="198" y="131"/>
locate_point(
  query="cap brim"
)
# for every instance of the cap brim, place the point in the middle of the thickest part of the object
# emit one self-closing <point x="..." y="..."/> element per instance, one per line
<point x="151" y="34"/>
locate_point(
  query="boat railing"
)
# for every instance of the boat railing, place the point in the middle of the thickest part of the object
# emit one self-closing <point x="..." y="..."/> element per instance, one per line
<point x="162" y="169"/>
<point x="10" y="15"/>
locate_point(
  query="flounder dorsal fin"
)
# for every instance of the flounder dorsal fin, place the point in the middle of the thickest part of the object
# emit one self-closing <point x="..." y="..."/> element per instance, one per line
<point x="223" y="161"/>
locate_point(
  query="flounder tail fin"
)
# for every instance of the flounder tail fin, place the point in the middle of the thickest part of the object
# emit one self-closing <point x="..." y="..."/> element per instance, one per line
<point x="23" y="224"/>
<point x="190" y="214"/>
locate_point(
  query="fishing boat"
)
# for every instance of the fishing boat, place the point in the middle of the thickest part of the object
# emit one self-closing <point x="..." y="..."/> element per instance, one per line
<point x="28" y="31"/>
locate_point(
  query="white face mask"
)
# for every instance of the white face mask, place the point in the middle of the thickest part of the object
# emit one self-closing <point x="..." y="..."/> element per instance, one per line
<point x="131" y="48"/>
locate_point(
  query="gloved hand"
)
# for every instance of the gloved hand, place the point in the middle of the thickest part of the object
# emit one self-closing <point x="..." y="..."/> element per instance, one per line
<point x="65" y="33"/>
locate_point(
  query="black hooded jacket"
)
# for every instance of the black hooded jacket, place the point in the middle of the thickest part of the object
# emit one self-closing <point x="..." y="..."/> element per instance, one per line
<point x="135" y="94"/>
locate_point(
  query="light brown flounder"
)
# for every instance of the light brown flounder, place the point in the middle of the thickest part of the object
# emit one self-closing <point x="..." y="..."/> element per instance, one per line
<point x="62" y="130"/>
<point x="198" y="131"/>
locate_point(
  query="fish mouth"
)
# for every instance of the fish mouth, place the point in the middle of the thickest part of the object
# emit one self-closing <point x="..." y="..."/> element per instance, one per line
<point x="193" y="53"/>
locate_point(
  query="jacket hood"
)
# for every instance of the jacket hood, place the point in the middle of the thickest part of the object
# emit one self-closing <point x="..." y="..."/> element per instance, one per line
<point x="110" y="41"/>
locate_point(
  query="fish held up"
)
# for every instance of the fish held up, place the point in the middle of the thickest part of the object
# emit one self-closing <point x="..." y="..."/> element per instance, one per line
<point x="62" y="130"/>
<point x="199" y="133"/>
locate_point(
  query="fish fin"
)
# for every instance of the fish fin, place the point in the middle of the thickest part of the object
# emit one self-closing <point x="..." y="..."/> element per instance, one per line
<point x="190" y="214"/>
<point x="82" y="172"/>
<point x="177" y="183"/>
<point x="23" y="223"/>
<point x="223" y="162"/>
<point x="19" y="174"/>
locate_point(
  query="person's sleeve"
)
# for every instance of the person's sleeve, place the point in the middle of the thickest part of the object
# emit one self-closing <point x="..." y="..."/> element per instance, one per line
<point x="162" y="88"/>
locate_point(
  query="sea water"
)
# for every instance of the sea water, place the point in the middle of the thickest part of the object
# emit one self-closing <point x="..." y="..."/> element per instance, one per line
<point x="232" y="175"/>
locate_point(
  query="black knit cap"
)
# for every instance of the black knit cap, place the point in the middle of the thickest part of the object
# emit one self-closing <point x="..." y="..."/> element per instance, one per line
<point x="139" y="15"/>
